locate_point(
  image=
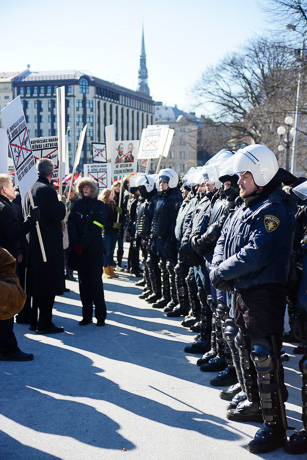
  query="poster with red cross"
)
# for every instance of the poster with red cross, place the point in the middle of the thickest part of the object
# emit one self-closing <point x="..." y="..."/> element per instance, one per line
<point x="153" y="141"/>
<point x="20" y="145"/>
<point x="125" y="158"/>
<point x="99" y="152"/>
<point x="46" y="147"/>
<point x="101" y="172"/>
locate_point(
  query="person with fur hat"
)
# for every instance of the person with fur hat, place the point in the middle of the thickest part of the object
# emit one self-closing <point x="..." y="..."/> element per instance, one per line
<point x="85" y="223"/>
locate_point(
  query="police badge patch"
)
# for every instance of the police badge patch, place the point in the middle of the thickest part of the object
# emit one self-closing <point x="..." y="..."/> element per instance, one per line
<point x="271" y="223"/>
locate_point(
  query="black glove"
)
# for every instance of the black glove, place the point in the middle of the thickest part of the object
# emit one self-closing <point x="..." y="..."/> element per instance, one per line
<point x="196" y="245"/>
<point x="218" y="282"/>
<point x="35" y="213"/>
<point x="187" y="254"/>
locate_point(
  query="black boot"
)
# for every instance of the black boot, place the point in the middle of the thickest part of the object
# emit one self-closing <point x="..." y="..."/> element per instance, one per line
<point x="228" y="394"/>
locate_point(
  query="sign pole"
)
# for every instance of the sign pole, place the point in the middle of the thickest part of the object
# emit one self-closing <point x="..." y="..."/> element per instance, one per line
<point x="39" y="235"/>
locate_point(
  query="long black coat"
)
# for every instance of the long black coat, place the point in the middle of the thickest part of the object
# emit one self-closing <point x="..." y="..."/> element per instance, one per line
<point x="12" y="231"/>
<point x="46" y="278"/>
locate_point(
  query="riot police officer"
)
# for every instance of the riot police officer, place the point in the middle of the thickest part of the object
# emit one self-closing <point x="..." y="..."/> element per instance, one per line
<point x="252" y="256"/>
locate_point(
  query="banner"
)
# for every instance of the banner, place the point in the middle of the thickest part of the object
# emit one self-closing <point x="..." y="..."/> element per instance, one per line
<point x="153" y="141"/>
<point x="99" y="152"/>
<point x="3" y="151"/>
<point x="20" y="145"/>
<point x="124" y="158"/>
<point x="100" y="172"/>
<point x="110" y="140"/>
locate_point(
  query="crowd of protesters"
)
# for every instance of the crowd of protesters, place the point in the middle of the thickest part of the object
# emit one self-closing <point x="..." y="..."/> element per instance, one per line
<point x="225" y="248"/>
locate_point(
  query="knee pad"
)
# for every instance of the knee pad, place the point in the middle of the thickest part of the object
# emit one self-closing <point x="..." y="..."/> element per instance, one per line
<point x="261" y="355"/>
<point x="230" y="331"/>
<point x="222" y="311"/>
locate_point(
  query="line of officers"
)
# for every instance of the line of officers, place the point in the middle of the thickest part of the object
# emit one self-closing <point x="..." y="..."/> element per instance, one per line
<point x="219" y="252"/>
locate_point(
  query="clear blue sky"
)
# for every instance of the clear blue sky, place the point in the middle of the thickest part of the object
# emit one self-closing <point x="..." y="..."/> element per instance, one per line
<point x="103" y="38"/>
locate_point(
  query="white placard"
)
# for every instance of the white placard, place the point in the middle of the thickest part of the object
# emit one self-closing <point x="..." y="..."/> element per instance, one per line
<point x="168" y="142"/>
<point x="3" y="151"/>
<point x="153" y="141"/>
<point x="46" y="147"/>
<point x="20" y="145"/>
<point x="99" y="152"/>
<point x="124" y="158"/>
<point x="142" y="166"/>
<point x="100" y="172"/>
<point x="110" y="140"/>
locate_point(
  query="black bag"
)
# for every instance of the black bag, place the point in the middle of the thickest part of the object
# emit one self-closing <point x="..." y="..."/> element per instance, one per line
<point x="73" y="259"/>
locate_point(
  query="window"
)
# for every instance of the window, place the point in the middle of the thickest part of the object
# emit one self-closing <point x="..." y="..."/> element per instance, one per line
<point x="35" y="91"/>
<point x="22" y="91"/>
<point x="54" y="90"/>
<point x="83" y="85"/>
<point x="89" y="105"/>
<point x="28" y="91"/>
<point x="69" y="103"/>
<point x="78" y="132"/>
<point x="49" y="90"/>
<point x="27" y="119"/>
<point x="35" y="119"/>
<point x="69" y="89"/>
<point x="89" y="147"/>
<point x="79" y="118"/>
<point x="42" y="91"/>
<point x="68" y="118"/>
<point x="49" y="104"/>
<point x="69" y="133"/>
<point x="49" y="118"/>
<point x="6" y="97"/>
<point x="36" y="133"/>
<point x="55" y="118"/>
<point x="79" y="104"/>
<point x="89" y="119"/>
<point x="69" y="146"/>
<point x="35" y="104"/>
<point x="49" y="132"/>
<point x="42" y="118"/>
<point x="42" y="133"/>
<point x="90" y="133"/>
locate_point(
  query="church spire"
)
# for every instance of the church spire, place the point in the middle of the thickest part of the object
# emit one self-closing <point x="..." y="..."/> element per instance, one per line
<point x="143" y="74"/>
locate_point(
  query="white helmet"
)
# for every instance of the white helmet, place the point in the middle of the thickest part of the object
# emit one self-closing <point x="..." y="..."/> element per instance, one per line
<point x="192" y="176"/>
<point x="208" y="173"/>
<point x="257" y="159"/>
<point x="170" y="176"/>
<point x="145" y="180"/>
<point x="220" y="157"/>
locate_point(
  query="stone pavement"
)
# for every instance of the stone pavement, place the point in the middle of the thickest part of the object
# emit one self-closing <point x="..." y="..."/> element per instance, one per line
<point x="123" y="391"/>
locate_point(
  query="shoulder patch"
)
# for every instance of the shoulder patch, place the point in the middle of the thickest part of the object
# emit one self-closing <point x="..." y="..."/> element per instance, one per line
<point x="271" y="223"/>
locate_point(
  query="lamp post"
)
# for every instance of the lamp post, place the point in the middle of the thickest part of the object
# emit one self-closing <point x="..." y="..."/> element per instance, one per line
<point x="298" y="95"/>
<point x="286" y="136"/>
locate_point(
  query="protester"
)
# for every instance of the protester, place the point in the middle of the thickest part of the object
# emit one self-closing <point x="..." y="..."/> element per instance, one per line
<point x="11" y="231"/>
<point x="110" y="232"/>
<point x="85" y="223"/>
<point x="45" y="280"/>
<point x="69" y="202"/>
<point x="13" y="296"/>
<point x="121" y="201"/>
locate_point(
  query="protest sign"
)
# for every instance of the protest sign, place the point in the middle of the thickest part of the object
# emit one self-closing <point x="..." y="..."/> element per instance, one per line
<point x="99" y="152"/>
<point x="101" y="172"/>
<point x="21" y="151"/>
<point x="124" y="158"/>
<point x="110" y="140"/>
<point x="46" y="147"/>
<point x="20" y="145"/>
<point x="3" y="151"/>
<point x="153" y="141"/>
<point x="60" y="94"/>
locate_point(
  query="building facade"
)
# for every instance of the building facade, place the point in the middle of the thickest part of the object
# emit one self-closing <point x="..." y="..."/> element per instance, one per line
<point x="183" y="151"/>
<point x="88" y="100"/>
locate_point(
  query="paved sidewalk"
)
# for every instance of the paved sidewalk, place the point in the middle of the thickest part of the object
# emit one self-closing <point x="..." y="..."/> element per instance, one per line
<point x="126" y="390"/>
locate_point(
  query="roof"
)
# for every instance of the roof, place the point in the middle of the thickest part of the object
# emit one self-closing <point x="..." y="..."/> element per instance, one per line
<point x="6" y="77"/>
<point x="167" y="114"/>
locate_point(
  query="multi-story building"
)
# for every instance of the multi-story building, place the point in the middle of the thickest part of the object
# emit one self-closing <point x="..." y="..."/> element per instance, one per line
<point x="88" y="100"/>
<point x="183" y="151"/>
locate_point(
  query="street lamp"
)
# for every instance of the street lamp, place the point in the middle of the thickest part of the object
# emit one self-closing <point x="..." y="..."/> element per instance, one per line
<point x="286" y="136"/>
<point x="298" y="95"/>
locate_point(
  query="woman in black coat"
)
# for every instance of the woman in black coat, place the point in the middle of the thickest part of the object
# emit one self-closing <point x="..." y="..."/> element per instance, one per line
<point x="85" y="223"/>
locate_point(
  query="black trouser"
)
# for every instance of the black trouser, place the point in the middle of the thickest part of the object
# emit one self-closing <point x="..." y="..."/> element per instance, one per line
<point x="42" y="308"/>
<point x="8" y="342"/>
<point x="91" y="288"/>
